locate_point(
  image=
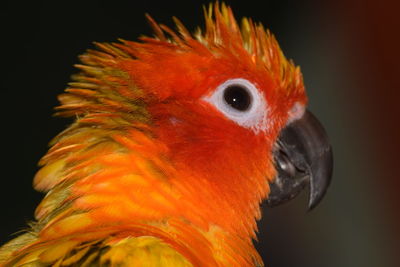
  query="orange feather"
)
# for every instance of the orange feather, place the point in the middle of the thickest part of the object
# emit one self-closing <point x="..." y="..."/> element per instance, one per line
<point x="146" y="157"/>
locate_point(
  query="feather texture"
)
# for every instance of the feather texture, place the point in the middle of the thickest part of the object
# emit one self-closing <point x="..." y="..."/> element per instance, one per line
<point x="147" y="173"/>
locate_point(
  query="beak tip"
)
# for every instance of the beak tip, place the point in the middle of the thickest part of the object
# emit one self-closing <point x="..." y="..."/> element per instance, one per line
<point x="321" y="180"/>
<point x="313" y="202"/>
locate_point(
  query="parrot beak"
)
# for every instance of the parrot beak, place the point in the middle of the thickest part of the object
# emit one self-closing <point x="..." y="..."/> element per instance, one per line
<point x="303" y="158"/>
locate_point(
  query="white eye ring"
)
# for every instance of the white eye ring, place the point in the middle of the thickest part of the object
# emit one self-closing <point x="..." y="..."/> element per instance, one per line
<point x="252" y="115"/>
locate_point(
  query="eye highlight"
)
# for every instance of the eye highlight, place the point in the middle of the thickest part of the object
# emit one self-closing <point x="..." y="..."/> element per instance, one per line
<point x="242" y="102"/>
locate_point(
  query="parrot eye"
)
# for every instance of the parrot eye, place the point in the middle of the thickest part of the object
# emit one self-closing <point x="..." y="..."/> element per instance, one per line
<point x="240" y="101"/>
<point x="238" y="97"/>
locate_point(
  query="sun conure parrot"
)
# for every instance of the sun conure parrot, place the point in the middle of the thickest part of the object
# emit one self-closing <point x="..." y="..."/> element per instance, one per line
<point x="177" y="139"/>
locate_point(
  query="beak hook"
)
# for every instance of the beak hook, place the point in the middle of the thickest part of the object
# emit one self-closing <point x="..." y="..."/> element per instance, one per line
<point x="303" y="158"/>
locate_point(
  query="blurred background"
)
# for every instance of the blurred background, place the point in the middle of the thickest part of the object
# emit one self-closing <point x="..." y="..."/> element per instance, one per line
<point x="349" y="55"/>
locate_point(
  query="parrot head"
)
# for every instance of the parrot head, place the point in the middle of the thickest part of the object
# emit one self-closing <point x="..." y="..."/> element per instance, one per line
<point x="183" y="135"/>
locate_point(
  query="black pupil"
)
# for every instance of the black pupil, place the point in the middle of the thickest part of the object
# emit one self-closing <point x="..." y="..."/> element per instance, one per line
<point x="237" y="97"/>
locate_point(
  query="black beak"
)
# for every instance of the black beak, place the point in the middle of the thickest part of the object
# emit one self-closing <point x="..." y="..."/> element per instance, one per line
<point x="303" y="158"/>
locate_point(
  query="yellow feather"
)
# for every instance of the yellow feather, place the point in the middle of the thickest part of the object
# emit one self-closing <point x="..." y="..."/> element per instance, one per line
<point x="57" y="251"/>
<point x="143" y="251"/>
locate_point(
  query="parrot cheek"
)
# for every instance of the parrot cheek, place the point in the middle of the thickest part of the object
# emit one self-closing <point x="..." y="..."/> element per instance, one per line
<point x="212" y="144"/>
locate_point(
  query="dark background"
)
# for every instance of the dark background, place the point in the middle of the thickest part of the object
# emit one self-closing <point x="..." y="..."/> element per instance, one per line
<point x="349" y="55"/>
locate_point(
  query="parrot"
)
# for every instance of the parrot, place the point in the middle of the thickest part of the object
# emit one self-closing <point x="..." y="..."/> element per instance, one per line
<point x="176" y="140"/>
